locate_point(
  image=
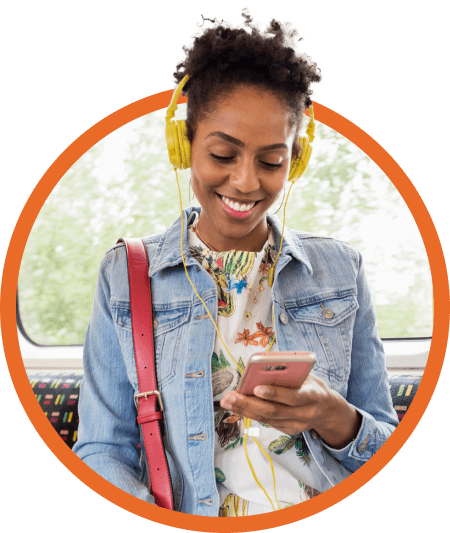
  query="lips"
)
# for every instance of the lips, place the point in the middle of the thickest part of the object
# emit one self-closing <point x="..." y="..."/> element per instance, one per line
<point x="237" y="209"/>
<point x="237" y="206"/>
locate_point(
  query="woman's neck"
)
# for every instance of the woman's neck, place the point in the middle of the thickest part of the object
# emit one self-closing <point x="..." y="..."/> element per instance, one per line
<point x="225" y="239"/>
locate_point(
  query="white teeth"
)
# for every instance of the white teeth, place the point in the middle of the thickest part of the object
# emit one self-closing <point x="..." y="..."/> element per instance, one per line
<point x="237" y="206"/>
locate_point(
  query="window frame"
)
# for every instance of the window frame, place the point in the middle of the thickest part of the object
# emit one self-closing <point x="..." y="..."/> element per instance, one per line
<point x="401" y="354"/>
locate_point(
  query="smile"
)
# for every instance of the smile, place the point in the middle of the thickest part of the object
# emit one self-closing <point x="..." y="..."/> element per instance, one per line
<point x="236" y="206"/>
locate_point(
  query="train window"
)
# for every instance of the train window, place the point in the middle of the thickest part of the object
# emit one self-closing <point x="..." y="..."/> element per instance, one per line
<point x="124" y="186"/>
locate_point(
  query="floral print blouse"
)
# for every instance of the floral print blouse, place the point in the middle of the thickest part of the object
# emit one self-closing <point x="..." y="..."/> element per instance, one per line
<point x="245" y="324"/>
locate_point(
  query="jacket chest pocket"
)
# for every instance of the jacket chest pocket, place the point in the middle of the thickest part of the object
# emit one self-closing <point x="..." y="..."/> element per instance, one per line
<point x="170" y="334"/>
<point x="327" y="328"/>
<point x="169" y="330"/>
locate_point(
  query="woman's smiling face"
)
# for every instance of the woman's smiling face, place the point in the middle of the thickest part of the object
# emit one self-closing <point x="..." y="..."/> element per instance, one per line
<point x="240" y="160"/>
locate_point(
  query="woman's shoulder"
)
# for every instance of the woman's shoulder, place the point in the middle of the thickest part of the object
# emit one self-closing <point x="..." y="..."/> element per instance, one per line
<point x="315" y="239"/>
<point x="151" y="243"/>
<point x="317" y="246"/>
<point x="114" y="268"/>
<point x="114" y="261"/>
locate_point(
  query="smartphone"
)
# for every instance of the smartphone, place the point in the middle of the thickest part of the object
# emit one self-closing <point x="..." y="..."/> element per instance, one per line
<point x="281" y="369"/>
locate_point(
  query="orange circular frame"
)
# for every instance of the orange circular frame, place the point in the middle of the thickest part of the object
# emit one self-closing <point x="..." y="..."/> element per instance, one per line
<point x="199" y="523"/>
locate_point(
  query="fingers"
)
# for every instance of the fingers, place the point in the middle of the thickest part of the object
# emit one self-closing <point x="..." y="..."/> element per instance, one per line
<point x="288" y="410"/>
<point x="292" y="397"/>
<point x="267" y="412"/>
<point x="277" y="416"/>
<point x="248" y="406"/>
<point x="313" y="391"/>
<point x="280" y="407"/>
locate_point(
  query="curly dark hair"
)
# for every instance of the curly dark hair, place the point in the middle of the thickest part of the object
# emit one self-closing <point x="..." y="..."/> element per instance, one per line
<point x="223" y="58"/>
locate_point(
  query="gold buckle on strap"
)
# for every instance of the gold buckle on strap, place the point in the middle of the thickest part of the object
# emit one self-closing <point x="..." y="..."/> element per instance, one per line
<point x="149" y="393"/>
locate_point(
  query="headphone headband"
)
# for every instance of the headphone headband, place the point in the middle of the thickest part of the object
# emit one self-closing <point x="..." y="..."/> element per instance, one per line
<point x="173" y="103"/>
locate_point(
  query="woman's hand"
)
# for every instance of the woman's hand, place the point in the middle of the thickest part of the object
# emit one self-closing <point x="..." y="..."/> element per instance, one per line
<point x="313" y="406"/>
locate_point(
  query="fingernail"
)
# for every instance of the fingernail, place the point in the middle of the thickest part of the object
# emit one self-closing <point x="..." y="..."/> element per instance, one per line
<point x="228" y="401"/>
<point x="260" y="391"/>
<point x="231" y="397"/>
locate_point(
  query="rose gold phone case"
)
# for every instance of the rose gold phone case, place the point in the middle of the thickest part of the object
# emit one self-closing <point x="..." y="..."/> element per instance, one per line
<point x="261" y="369"/>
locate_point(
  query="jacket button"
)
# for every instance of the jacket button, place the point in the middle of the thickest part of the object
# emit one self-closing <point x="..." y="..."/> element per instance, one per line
<point x="284" y="318"/>
<point x="327" y="313"/>
<point x="198" y="374"/>
<point x="364" y="445"/>
<point x="314" y="434"/>
<point x="202" y="436"/>
<point x="208" y="501"/>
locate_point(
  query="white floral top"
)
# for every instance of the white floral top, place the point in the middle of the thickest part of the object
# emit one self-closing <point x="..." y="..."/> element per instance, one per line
<point x="245" y="324"/>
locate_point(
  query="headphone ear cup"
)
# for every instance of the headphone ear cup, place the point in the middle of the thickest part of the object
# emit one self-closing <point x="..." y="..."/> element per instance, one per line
<point x="184" y="144"/>
<point x="306" y="157"/>
<point x="172" y="144"/>
<point x="299" y="163"/>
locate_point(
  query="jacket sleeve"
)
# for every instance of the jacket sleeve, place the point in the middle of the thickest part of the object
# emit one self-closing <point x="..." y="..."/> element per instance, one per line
<point x="368" y="387"/>
<point x="108" y="433"/>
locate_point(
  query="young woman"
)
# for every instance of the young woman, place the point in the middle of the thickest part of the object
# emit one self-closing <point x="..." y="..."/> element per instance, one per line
<point x="247" y="92"/>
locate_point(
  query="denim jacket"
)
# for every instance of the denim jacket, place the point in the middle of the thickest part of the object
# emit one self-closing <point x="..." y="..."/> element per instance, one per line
<point x="312" y="270"/>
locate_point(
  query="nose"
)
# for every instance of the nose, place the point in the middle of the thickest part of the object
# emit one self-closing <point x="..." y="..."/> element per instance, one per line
<point x="244" y="177"/>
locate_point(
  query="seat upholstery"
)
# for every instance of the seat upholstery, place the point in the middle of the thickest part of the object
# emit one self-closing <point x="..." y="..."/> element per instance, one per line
<point x="57" y="393"/>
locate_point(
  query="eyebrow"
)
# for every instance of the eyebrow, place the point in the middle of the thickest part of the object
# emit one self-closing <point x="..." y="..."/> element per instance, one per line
<point x="241" y="144"/>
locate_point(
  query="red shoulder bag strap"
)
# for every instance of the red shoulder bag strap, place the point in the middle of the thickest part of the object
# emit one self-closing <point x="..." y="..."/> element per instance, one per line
<point x="149" y="399"/>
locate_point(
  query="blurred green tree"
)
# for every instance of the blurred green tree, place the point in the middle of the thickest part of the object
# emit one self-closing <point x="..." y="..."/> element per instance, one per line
<point x="342" y="194"/>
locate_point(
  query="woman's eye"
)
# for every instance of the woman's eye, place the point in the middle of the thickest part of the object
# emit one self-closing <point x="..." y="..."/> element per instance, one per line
<point x="272" y="165"/>
<point x="222" y="158"/>
<point x="269" y="165"/>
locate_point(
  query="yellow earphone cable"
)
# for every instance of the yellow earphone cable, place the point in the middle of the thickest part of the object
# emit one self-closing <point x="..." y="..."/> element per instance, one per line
<point x="248" y="424"/>
<point x="190" y="281"/>
<point x="272" y="270"/>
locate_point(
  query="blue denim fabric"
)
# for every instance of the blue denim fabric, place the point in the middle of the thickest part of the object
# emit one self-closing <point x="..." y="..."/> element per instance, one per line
<point x="311" y="270"/>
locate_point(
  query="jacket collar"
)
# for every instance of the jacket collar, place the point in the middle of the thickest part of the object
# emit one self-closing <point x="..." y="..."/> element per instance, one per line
<point x="168" y="253"/>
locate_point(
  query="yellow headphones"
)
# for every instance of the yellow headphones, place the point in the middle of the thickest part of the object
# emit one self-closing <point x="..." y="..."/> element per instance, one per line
<point x="180" y="149"/>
